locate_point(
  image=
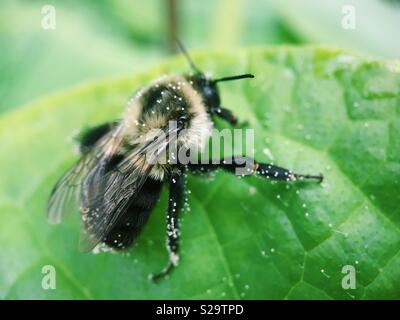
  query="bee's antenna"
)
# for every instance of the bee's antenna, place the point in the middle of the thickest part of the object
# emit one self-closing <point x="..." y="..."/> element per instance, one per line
<point x="186" y="54"/>
<point x="242" y="76"/>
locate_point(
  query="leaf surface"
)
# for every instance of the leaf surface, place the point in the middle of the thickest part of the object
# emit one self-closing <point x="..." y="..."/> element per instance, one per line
<point x="313" y="110"/>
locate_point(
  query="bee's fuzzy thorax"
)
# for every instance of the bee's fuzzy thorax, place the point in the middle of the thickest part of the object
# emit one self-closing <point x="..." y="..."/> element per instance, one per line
<point x="162" y="101"/>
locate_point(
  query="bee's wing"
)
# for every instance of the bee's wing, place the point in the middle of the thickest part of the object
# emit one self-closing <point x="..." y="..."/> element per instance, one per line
<point x="107" y="195"/>
<point x="105" y="198"/>
<point x="66" y="195"/>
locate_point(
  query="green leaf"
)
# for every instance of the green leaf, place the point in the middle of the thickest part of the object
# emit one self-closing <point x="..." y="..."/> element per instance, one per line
<point x="313" y="110"/>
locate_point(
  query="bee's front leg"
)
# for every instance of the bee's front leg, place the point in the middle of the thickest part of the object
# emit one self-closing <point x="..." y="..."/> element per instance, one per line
<point x="225" y="114"/>
<point x="248" y="166"/>
<point x="229" y="116"/>
<point x="176" y="188"/>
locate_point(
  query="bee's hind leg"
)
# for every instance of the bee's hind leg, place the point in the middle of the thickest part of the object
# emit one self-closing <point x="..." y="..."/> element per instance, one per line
<point x="176" y="188"/>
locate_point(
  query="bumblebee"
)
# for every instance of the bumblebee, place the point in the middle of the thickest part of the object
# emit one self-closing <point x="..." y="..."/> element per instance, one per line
<point x="116" y="184"/>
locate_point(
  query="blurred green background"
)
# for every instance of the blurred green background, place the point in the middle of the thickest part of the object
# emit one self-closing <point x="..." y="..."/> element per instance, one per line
<point x="104" y="38"/>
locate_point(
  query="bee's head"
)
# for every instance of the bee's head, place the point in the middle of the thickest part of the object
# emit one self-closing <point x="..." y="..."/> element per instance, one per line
<point x="208" y="87"/>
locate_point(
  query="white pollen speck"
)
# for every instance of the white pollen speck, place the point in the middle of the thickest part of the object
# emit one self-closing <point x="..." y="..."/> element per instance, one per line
<point x="85" y="210"/>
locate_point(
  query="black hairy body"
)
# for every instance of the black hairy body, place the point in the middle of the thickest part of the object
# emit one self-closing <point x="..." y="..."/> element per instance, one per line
<point x="129" y="226"/>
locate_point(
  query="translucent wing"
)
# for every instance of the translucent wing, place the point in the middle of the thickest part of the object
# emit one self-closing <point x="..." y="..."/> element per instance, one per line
<point x="66" y="195"/>
<point x="64" y="198"/>
<point x="106" y="197"/>
<point x="104" y="182"/>
<point x="108" y="194"/>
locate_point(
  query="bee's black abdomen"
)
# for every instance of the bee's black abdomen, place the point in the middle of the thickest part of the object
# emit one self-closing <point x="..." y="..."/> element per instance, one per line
<point x="132" y="221"/>
<point x="127" y="229"/>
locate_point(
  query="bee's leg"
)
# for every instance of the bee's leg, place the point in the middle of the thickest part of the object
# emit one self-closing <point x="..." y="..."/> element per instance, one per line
<point x="248" y="166"/>
<point x="88" y="137"/>
<point x="176" y="188"/>
<point x="225" y="114"/>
